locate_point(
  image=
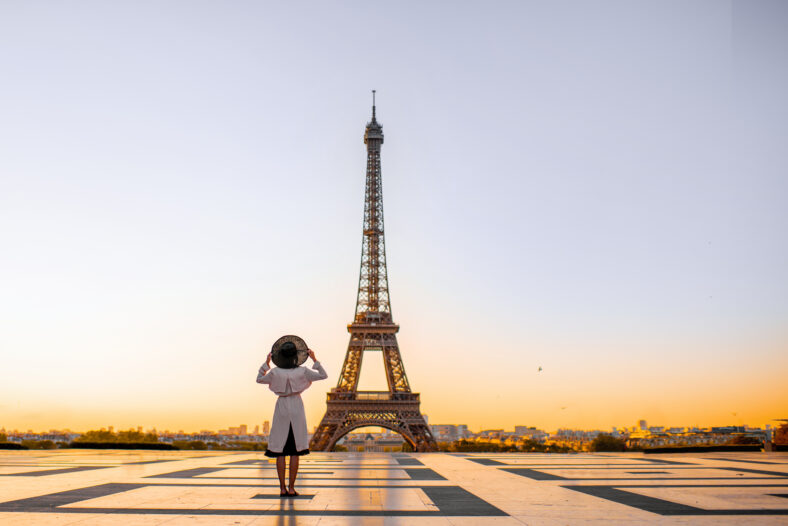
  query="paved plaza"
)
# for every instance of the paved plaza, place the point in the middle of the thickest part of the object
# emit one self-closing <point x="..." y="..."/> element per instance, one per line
<point x="89" y="487"/>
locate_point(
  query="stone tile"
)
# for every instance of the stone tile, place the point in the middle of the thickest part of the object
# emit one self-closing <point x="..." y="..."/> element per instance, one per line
<point x="126" y="520"/>
<point x="150" y="488"/>
<point x="487" y="521"/>
<point x="52" y="519"/>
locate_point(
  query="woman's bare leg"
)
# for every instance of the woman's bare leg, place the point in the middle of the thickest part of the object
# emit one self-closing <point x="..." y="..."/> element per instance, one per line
<point x="293" y="473"/>
<point x="280" y="470"/>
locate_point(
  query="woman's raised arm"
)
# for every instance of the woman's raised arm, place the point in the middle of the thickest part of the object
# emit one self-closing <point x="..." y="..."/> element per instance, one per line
<point x="262" y="375"/>
<point x="317" y="372"/>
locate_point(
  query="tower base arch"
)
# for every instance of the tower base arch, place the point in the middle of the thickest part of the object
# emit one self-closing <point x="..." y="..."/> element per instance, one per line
<point x="398" y="412"/>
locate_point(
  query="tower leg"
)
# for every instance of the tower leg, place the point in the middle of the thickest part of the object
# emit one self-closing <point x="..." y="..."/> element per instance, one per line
<point x="345" y="415"/>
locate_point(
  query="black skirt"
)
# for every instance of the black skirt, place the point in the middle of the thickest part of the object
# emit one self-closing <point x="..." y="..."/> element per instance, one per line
<point x="290" y="448"/>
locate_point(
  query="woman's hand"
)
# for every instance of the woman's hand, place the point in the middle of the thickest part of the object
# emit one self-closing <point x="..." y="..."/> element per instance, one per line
<point x="312" y="355"/>
<point x="268" y="360"/>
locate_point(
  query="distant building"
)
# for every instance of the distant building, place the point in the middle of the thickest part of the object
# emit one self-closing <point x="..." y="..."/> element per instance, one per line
<point x="530" y="432"/>
<point x="372" y="442"/>
<point x="491" y="434"/>
<point x="445" y="432"/>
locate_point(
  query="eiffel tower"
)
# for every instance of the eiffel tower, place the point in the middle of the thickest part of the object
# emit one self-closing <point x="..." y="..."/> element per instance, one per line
<point x="373" y="330"/>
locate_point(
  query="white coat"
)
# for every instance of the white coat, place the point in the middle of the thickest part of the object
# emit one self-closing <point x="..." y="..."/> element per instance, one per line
<point x="289" y="411"/>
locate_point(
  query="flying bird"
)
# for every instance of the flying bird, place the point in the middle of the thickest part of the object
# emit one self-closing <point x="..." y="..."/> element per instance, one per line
<point x="540" y="369"/>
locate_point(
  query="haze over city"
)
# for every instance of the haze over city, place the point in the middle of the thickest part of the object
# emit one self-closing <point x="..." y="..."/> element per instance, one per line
<point x="585" y="214"/>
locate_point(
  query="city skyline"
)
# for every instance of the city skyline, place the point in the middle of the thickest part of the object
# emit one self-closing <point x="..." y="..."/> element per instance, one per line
<point x="439" y="429"/>
<point x="261" y="428"/>
<point x="585" y="214"/>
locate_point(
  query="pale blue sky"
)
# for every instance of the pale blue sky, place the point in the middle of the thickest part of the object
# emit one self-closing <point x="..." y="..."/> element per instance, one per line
<point x="595" y="187"/>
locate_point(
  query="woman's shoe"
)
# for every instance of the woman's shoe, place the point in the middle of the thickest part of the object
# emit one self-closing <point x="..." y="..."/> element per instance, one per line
<point x="294" y="494"/>
<point x="283" y="493"/>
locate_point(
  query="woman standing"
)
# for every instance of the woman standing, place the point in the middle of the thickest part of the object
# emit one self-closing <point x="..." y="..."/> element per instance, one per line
<point x="288" y="436"/>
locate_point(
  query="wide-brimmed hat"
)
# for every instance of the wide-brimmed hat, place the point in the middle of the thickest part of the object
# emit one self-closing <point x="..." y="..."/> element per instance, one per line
<point x="286" y="348"/>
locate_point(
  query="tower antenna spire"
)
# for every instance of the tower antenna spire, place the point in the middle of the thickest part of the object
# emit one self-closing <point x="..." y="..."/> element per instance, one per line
<point x="373" y="104"/>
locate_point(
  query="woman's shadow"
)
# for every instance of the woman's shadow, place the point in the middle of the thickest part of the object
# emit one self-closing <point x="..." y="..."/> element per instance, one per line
<point x="286" y="520"/>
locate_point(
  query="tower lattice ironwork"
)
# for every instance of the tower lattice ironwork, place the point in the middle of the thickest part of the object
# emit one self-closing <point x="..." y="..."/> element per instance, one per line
<point x="373" y="330"/>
